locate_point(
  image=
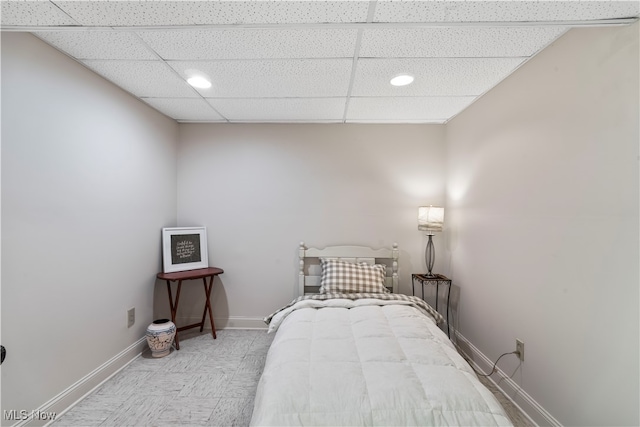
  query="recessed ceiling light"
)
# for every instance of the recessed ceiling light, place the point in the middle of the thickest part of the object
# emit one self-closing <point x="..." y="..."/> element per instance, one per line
<point x="197" y="78"/>
<point x="199" y="81"/>
<point x="402" y="80"/>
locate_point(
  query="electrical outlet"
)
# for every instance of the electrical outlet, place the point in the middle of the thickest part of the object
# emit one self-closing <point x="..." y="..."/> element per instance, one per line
<point x="131" y="317"/>
<point x="520" y="349"/>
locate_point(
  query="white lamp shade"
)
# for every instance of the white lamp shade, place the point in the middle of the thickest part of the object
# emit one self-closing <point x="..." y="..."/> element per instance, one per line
<point x="430" y="218"/>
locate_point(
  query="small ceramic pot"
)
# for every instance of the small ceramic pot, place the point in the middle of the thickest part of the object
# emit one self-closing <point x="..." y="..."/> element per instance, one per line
<point x="160" y="336"/>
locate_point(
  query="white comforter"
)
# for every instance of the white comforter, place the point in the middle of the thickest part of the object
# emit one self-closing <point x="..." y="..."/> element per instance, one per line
<point x="367" y="362"/>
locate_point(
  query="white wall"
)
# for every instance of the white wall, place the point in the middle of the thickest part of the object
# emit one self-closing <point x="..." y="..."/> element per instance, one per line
<point x="542" y="197"/>
<point x="88" y="180"/>
<point x="261" y="189"/>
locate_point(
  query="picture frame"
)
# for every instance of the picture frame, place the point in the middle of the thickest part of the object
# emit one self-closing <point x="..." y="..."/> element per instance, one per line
<point x="184" y="248"/>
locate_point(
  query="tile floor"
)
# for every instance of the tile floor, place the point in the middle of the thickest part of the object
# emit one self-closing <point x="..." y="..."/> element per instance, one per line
<point x="205" y="383"/>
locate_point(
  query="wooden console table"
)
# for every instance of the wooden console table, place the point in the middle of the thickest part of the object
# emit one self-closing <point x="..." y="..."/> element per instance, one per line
<point x="179" y="276"/>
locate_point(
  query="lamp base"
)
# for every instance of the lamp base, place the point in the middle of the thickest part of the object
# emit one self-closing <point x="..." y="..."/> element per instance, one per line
<point x="430" y="256"/>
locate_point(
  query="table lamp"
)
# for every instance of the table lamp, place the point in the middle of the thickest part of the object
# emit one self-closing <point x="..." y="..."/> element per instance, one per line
<point x="430" y="219"/>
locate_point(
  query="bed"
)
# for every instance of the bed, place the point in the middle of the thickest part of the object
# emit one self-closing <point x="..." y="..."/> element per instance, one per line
<point x="350" y="350"/>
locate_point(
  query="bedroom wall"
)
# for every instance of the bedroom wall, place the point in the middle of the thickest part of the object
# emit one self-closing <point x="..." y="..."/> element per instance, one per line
<point x="261" y="189"/>
<point x="543" y="225"/>
<point x="88" y="180"/>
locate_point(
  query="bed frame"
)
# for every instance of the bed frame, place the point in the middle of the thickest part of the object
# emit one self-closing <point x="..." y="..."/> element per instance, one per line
<point x="309" y="275"/>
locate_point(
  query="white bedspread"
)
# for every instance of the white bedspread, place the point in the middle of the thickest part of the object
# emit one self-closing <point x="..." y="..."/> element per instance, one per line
<point x="367" y="362"/>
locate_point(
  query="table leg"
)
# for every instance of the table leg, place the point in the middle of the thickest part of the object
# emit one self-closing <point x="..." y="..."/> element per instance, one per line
<point x="448" y="305"/>
<point x="204" y="312"/>
<point x="437" y="293"/>
<point x="207" y="305"/>
<point x="174" y="309"/>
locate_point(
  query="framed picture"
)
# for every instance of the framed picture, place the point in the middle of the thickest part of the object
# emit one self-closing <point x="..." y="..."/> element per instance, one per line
<point x="184" y="248"/>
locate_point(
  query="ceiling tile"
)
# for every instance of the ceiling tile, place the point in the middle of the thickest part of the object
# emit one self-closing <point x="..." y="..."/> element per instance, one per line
<point x="456" y="42"/>
<point x="494" y="11"/>
<point x="272" y="78"/>
<point x="195" y="109"/>
<point x="433" y="76"/>
<point x="151" y="13"/>
<point x="281" y="109"/>
<point x="26" y="13"/>
<point x="252" y="43"/>
<point x="409" y="109"/>
<point x="98" y="44"/>
<point x="410" y="11"/>
<point x="521" y="11"/>
<point x="282" y="12"/>
<point x="143" y="78"/>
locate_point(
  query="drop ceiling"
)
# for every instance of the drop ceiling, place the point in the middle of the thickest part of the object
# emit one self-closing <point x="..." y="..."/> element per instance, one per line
<point x="307" y="61"/>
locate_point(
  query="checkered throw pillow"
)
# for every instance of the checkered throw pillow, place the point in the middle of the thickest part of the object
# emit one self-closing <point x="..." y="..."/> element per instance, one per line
<point x="346" y="277"/>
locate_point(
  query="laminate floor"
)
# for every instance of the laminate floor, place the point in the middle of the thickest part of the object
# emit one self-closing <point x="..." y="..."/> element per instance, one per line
<point x="206" y="383"/>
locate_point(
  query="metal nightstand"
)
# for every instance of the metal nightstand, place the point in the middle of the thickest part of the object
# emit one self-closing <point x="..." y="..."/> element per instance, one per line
<point x="436" y="279"/>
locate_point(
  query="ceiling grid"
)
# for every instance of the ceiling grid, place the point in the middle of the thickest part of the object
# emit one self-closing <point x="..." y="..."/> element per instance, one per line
<point x="356" y="55"/>
<point x="307" y="61"/>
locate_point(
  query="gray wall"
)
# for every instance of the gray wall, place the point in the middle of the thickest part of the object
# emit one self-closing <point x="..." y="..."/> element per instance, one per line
<point x="261" y="189"/>
<point x="542" y="197"/>
<point x="88" y="180"/>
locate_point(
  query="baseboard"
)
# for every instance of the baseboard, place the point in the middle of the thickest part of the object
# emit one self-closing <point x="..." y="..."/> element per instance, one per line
<point x="232" y="322"/>
<point x="81" y="388"/>
<point x="509" y="388"/>
<point x="238" y="322"/>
